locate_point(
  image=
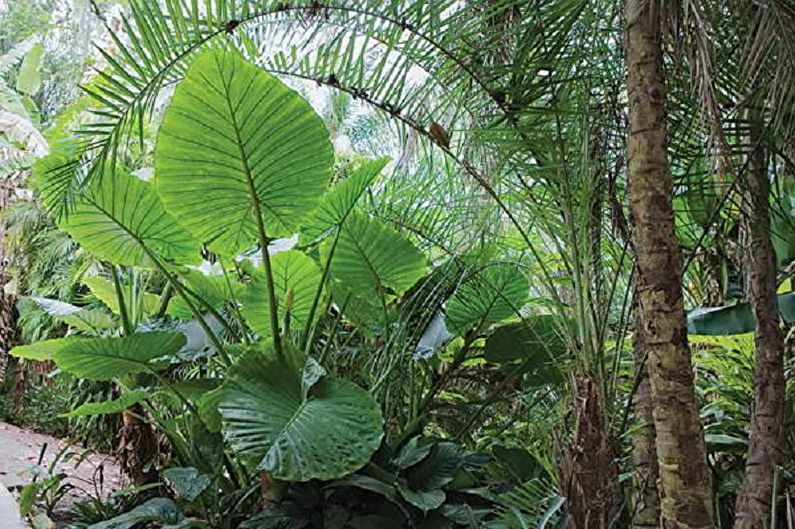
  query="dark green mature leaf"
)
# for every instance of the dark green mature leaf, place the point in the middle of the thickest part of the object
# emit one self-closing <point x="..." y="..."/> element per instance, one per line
<point x="536" y="342"/>
<point x="236" y="143"/>
<point x="423" y="500"/>
<point x="488" y="296"/>
<point x="293" y="272"/>
<point x="412" y="453"/>
<point x="438" y="469"/>
<point x="109" y="406"/>
<point x="109" y="358"/>
<point x="338" y="203"/>
<point x="160" y="510"/>
<point x="521" y="463"/>
<point x="374" y="261"/>
<point x="330" y="434"/>
<point x="188" y="483"/>
<point x="121" y="219"/>
<point x="734" y="319"/>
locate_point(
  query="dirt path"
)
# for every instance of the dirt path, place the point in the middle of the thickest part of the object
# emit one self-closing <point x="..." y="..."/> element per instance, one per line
<point x="89" y="473"/>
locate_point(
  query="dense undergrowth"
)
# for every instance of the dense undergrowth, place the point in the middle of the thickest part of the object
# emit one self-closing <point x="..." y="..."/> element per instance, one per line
<point x="337" y="265"/>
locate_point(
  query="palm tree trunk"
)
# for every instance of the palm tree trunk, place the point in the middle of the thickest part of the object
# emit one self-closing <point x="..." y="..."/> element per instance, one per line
<point x="765" y="447"/>
<point x="646" y="507"/>
<point x="8" y="313"/>
<point x="589" y="479"/>
<point x="684" y="475"/>
<point x="138" y="447"/>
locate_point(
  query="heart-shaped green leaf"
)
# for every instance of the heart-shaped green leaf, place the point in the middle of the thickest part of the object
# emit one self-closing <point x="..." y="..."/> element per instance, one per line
<point x="238" y="148"/>
<point x="330" y="433"/>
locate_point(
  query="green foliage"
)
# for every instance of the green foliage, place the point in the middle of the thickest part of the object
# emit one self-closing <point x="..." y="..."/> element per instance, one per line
<point x="125" y="223"/>
<point x="110" y="406"/>
<point x="106" y="358"/>
<point x="298" y="427"/>
<point x="29" y="76"/>
<point x="263" y="153"/>
<point x="487" y="296"/>
<point x="734" y="319"/>
<point x="296" y="279"/>
<point x="372" y="261"/>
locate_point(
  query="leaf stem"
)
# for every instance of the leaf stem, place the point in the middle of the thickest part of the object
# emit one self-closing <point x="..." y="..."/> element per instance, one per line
<point x="125" y="316"/>
<point x="309" y="329"/>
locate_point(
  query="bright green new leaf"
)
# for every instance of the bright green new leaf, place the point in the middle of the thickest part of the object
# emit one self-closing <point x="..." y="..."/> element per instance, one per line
<point x="488" y="296"/>
<point x="330" y="433"/>
<point x="374" y="261"/>
<point x="109" y="406"/>
<point x="29" y="76"/>
<point x="43" y="350"/>
<point x="337" y="204"/>
<point x="238" y="147"/>
<point x="293" y="272"/>
<point x="121" y="220"/>
<point x="216" y="290"/>
<point x="109" y="358"/>
<point x="105" y="291"/>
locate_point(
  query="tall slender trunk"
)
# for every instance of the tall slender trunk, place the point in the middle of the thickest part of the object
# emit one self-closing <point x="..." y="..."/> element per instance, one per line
<point x="8" y="313"/>
<point x="684" y="475"/>
<point x="765" y="447"/>
<point x="646" y="506"/>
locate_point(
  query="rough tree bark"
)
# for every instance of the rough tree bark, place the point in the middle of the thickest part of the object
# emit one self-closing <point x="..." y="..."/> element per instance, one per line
<point x="765" y="448"/>
<point x="646" y="507"/>
<point x="684" y="476"/>
<point x="138" y="449"/>
<point x="589" y="480"/>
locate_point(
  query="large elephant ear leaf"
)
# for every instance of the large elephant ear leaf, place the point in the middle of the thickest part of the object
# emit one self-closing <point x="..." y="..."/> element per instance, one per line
<point x="295" y="274"/>
<point x="488" y="296"/>
<point x="121" y="220"/>
<point x="238" y="148"/>
<point x="109" y="358"/>
<point x="328" y="434"/>
<point x="373" y="261"/>
<point x="338" y="203"/>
